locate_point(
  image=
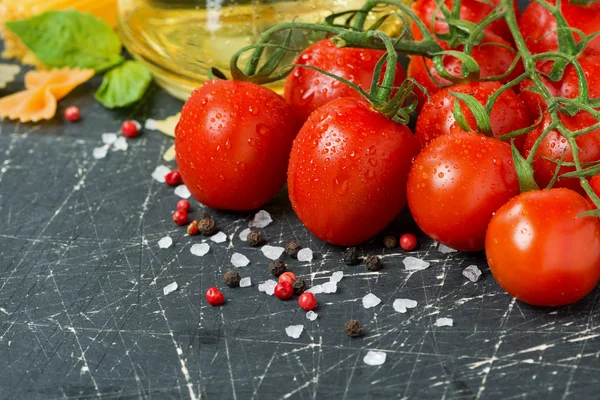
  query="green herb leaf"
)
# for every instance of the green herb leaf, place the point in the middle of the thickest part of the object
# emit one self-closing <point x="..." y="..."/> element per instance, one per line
<point x="69" y="39"/>
<point x="124" y="85"/>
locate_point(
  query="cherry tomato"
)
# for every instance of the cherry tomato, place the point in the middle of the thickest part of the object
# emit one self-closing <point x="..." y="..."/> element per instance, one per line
<point x="348" y="170"/>
<point x="565" y="87"/>
<point x="306" y="89"/>
<point x="553" y="145"/>
<point x="233" y="142"/>
<point x="492" y="59"/>
<point x="437" y="117"/>
<point x="456" y="184"/>
<point x="595" y="184"/>
<point x="470" y="10"/>
<point x="538" y="26"/>
<point x="540" y="251"/>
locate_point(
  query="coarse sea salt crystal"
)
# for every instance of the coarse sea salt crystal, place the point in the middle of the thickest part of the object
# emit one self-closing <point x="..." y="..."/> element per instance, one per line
<point x="137" y="124"/>
<point x="329" y="287"/>
<point x="170" y="288"/>
<point x="444" y="322"/>
<point x="200" y="249"/>
<point x="336" y="276"/>
<point x="150" y="124"/>
<point x="261" y="220"/>
<point x="375" y="358"/>
<point x="159" y="173"/>
<point x="120" y="144"/>
<point x="370" y="300"/>
<point x="165" y="242"/>
<point x="472" y="273"/>
<point x="183" y="192"/>
<point x="442" y="248"/>
<point x="109" y="138"/>
<point x="244" y="235"/>
<point x="268" y="287"/>
<point x="239" y="260"/>
<point x="272" y="252"/>
<point x="415" y="264"/>
<point x="294" y="331"/>
<point x="305" y="255"/>
<point x="219" y="237"/>
<point x="401" y="305"/>
<point x="100" y="152"/>
<point x="315" y="289"/>
<point x="245" y="282"/>
<point x="311" y="315"/>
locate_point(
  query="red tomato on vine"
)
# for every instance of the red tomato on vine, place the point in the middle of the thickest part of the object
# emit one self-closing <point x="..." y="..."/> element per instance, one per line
<point x="541" y="252"/>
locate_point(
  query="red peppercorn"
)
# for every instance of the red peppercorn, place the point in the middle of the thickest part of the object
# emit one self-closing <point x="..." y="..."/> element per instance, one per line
<point x="307" y="301"/>
<point x="192" y="228"/>
<point x="130" y="129"/>
<point x="72" y="114"/>
<point x="214" y="296"/>
<point x="184" y="205"/>
<point x="288" y="277"/>
<point x="173" y="178"/>
<point x="284" y="290"/>
<point x="180" y="217"/>
<point x="408" y="241"/>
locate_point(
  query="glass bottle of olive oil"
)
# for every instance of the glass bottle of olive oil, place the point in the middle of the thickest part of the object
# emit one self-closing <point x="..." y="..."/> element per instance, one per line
<point x="179" y="40"/>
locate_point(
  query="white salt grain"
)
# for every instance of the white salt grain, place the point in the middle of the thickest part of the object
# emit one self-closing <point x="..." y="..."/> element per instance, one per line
<point x="311" y="315"/>
<point x="375" y="358"/>
<point x="219" y="237"/>
<point x="444" y="322"/>
<point x="400" y="305"/>
<point x="272" y="252"/>
<point x="305" y="255"/>
<point x="239" y="260"/>
<point x="200" y="249"/>
<point x="336" y="276"/>
<point x="137" y="124"/>
<point x="315" y="289"/>
<point x="100" y="152"/>
<point x="370" y="300"/>
<point x="414" y="264"/>
<point x="120" y="144"/>
<point x="472" y="273"/>
<point x="150" y="124"/>
<point x="329" y="287"/>
<point x="245" y="282"/>
<point x="183" y="192"/>
<point x="294" y="331"/>
<point x="244" y="235"/>
<point x="261" y="220"/>
<point x="171" y="287"/>
<point x="159" y="173"/>
<point x="109" y="138"/>
<point x="268" y="287"/>
<point x="165" y="242"/>
<point x="442" y="248"/>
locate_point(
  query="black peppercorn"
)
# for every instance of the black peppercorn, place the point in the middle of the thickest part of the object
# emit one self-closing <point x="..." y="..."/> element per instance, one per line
<point x="299" y="286"/>
<point x="351" y="256"/>
<point x="353" y="328"/>
<point x="277" y="267"/>
<point x="390" y="241"/>
<point x="255" y="238"/>
<point x="292" y="249"/>
<point x="373" y="262"/>
<point x="206" y="225"/>
<point x="231" y="278"/>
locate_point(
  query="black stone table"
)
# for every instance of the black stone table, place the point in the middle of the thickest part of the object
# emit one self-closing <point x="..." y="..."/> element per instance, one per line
<point x="83" y="315"/>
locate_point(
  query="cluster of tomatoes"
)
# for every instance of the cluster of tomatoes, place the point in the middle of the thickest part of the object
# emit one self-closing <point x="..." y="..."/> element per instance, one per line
<point x="350" y="170"/>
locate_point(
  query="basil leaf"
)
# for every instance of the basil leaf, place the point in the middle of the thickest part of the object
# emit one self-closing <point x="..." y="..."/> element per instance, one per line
<point x="124" y="85"/>
<point x="69" y="39"/>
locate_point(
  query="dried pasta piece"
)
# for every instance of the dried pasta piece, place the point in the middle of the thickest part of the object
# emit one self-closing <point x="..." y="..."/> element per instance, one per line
<point x="42" y="91"/>
<point x="166" y="126"/>
<point x="8" y="72"/>
<point x="169" y="154"/>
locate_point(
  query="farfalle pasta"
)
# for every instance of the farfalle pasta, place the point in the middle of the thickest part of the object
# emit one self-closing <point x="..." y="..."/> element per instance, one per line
<point x="42" y="91"/>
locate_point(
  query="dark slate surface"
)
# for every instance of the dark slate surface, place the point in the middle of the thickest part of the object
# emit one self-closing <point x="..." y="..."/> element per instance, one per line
<point x="83" y="315"/>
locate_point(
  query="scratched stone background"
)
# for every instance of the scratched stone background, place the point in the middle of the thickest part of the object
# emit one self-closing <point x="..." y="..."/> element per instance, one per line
<point x="83" y="315"/>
